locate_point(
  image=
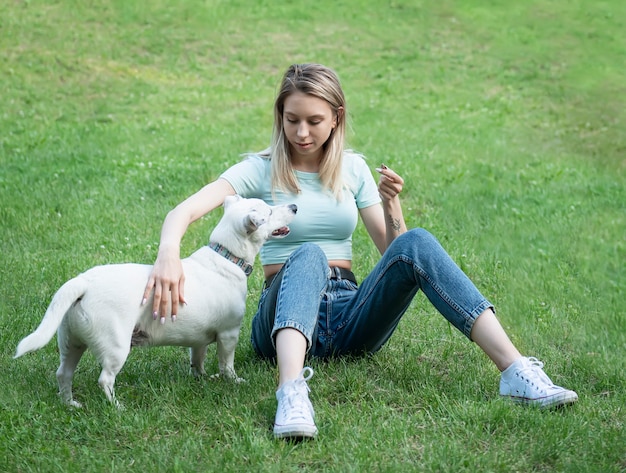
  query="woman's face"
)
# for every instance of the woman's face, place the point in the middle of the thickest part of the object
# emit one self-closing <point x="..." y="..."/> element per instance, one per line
<point x="308" y="122"/>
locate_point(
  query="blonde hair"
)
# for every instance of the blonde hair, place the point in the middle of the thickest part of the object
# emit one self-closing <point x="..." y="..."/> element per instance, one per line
<point x="321" y="82"/>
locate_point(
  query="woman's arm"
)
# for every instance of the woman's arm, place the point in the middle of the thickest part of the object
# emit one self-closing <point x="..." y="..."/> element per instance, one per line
<point x="167" y="278"/>
<point x="384" y="223"/>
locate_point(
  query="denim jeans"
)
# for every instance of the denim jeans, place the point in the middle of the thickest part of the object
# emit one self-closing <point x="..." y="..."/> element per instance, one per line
<point x="337" y="317"/>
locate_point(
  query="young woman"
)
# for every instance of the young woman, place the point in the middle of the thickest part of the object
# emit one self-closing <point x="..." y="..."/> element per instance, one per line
<point x="311" y="302"/>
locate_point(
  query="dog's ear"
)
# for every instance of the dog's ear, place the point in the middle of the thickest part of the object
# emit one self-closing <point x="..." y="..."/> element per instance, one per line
<point x="252" y="222"/>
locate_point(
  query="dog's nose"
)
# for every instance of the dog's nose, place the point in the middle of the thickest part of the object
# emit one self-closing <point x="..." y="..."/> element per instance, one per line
<point x="293" y="208"/>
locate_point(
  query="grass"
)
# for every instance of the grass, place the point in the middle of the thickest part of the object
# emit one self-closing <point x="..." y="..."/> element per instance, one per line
<point x="507" y="122"/>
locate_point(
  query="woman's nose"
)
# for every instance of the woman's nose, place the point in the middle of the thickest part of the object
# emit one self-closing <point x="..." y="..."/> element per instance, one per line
<point x="303" y="130"/>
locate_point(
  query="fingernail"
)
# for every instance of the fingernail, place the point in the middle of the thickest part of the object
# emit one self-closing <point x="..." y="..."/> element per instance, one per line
<point x="154" y="315"/>
<point x="143" y="301"/>
<point x="173" y="318"/>
<point x="162" y="320"/>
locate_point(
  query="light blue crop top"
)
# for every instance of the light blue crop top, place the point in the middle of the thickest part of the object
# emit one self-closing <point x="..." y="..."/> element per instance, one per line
<point x="321" y="219"/>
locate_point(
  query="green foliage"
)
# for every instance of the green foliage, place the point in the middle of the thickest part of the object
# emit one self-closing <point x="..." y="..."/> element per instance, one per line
<point x="506" y="121"/>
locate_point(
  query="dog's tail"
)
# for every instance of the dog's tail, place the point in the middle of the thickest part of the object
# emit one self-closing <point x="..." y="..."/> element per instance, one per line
<point x="65" y="297"/>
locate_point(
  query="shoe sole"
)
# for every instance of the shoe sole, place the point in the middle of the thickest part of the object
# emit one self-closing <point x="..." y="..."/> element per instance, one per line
<point x="301" y="431"/>
<point x="552" y="402"/>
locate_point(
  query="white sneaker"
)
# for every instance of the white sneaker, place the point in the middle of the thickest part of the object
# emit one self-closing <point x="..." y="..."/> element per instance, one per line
<point x="525" y="382"/>
<point x="294" y="415"/>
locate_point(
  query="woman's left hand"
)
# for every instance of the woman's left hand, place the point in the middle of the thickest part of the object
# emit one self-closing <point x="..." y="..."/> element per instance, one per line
<point x="390" y="184"/>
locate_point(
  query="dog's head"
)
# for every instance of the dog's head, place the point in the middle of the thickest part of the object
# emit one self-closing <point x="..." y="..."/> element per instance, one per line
<point x="248" y="223"/>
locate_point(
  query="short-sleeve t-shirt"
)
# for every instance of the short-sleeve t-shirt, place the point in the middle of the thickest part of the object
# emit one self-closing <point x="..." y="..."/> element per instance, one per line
<point x="321" y="218"/>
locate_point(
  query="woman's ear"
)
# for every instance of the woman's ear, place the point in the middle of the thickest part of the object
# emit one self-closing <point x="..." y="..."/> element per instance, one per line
<point x="338" y="117"/>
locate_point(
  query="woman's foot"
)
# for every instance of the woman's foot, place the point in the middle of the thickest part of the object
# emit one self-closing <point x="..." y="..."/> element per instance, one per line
<point x="526" y="383"/>
<point x="294" y="415"/>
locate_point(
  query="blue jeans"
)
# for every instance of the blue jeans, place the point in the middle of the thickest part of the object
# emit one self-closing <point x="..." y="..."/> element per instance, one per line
<point x="337" y="317"/>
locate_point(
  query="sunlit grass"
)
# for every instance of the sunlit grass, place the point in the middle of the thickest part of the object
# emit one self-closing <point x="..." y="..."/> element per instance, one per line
<point x="507" y="122"/>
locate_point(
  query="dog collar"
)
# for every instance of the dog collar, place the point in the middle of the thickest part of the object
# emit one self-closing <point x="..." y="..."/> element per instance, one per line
<point x="220" y="250"/>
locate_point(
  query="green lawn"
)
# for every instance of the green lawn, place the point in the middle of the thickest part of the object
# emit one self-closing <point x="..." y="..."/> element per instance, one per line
<point x="507" y="121"/>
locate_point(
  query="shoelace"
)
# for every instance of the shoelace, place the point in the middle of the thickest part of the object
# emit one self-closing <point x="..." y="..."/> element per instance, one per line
<point x="298" y="407"/>
<point x="535" y="367"/>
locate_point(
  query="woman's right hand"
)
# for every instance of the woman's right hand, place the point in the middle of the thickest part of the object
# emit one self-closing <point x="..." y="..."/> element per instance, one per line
<point x="167" y="279"/>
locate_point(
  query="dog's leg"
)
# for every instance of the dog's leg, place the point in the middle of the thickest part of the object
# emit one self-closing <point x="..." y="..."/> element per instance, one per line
<point x="107" y="383"/>
<point x="70" y="352"/>
<point x="226" y="344"/>
<point x="112" y="360"/>
<point x="70" y="356"/>
<point x="197" y="355"/>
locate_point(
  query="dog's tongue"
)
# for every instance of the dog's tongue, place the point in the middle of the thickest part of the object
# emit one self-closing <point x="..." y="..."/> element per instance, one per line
<point x="282" y="231"/>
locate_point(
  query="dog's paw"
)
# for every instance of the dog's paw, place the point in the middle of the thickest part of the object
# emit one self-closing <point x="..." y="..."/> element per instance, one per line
<point x="73" y="403"/>
<point x="232" y="377"/>
<point x="197" y="373"/>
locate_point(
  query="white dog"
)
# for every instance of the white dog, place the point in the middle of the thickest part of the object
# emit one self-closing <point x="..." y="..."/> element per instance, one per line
<point x="101" y="309"/>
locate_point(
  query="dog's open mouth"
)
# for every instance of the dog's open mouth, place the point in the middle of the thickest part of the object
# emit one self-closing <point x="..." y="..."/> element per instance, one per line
<point x="281" y="232"/>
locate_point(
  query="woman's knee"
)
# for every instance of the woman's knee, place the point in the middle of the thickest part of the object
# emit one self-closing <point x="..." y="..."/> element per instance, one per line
<point x="416" y="238"/>
<point x="310" y="254"/>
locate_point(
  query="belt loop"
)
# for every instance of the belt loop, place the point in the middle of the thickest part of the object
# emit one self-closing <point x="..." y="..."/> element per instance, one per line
<point x="337" y="272"/>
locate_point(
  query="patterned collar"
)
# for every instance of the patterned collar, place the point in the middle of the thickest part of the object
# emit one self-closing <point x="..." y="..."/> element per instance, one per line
<point x="245" y="266"/>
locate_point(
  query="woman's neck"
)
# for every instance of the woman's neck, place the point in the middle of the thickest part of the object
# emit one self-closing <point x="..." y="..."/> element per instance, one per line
<point x="306" y="163"/>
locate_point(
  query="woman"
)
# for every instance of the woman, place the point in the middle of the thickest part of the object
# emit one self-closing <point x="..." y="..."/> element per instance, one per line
<point x="311" y="303"/>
